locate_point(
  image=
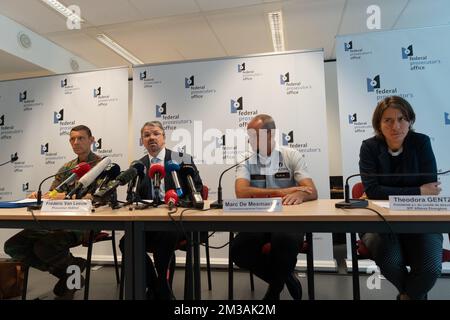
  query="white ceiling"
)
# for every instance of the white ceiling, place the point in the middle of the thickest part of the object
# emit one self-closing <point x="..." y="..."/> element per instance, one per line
<point x="169" y="30"/>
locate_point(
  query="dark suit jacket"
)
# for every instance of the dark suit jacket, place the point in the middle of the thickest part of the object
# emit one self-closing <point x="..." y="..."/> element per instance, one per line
<point x="418" y="157"/>
<point x="145" y="185"/>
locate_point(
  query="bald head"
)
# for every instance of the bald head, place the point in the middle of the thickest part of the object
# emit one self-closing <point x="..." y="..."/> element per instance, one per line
<point x="261" y="134"/>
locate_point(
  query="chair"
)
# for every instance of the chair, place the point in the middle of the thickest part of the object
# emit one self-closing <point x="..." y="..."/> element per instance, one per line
<point x="93" y="238"/>
<point x="182" y="245"/>
<point x="361" y="252"/>
<point x="306" y="248"/>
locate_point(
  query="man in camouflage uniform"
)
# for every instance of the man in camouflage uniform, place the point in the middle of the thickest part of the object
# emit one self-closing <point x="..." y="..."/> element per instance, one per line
<point x="49" y="250"/>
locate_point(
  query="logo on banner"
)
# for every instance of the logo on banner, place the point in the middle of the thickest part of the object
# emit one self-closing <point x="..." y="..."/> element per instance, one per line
<point x="23" y="96"/>
<point x="447" y="118"/>
<point x="25" y="186"/>
<point x="220" y="142"/>
<point x="348" y="45"/>
<point x="417" y="63"/>
<point x="358" y="126"/>
<point x="68" y="89"/>
<point x="284" y="78"/>
<point x="44" y="149"/>
<point x="97" y="92"/>
<point x="237" y="105"/>
<point x="103" y="100"/>
<point x="287" y="138"/>
<point x="189" y="82"/>
<point x="148" y="81"/>
<point x="161" y="110"/>
<point x="197" y="91"/>
<point x="7" y="131"/>
<point x="355" y="52"/>
<point x="247" y="74"/>
<point x="373" y="84"/>
<point x="99" y="147"/>
<point x="407" y="52"/>
<point x="293" y="88"/>
<point x="58" y="116"/>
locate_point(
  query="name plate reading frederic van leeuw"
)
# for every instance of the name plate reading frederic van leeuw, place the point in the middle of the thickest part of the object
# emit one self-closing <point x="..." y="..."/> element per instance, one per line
<point x="419" y="203"/>
<point x="252" y="205"/>
<point x="66" y="206"/>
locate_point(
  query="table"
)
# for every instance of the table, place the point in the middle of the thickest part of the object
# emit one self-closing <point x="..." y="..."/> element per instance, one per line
<point x="101" y="219"/>
<point x="313" y="216"/>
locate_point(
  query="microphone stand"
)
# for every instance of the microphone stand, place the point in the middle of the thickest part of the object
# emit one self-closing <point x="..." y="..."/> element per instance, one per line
<point x="219" y="203"/>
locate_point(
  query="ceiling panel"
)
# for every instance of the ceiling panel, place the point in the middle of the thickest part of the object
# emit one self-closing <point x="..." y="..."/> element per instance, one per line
<point x="34" y="15"/>
<point x="101" y="12"/>
<point x="355" y="16"/>
<point x="242" y="31"/>
<point x="163" y="8"/>
<point x="10" y="64"/>
<point x="209" y="5"/>
<point x="87" y="47"/>
<point x="310" y="25"/>
<point x="424" y="13"/>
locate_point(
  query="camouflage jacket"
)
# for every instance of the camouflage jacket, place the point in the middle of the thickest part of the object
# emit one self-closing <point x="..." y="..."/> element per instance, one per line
<point x="64" y="172"/>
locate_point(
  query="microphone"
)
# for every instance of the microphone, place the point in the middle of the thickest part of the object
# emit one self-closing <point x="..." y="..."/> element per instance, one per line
<point x="88" y="178"/>
<point x="171" y="199"/>
<point x="14" y="158"/>
<point x="219" y="203"/>
<point x="136" y="181"/>
<point x="187" y="170"/>
<point x="39" y="192"/>
<point x="172" y="167"/>
<point x="362" y="203"/>
<point x="156" y="173"/>
<point x="80" y="170"/>
<point x="110" y="173"/>
<point x="122" y="179"/>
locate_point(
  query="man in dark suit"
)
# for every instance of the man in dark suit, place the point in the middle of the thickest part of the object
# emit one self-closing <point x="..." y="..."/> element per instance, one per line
<point x="161" y="243"/>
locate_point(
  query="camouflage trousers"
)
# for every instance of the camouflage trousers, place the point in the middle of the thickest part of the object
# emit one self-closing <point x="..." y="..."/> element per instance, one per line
<point x="46" y="250"/>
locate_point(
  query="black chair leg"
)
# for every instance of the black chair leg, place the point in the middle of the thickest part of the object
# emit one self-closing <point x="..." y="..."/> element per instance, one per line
<point x="122" y="276"/>
<point x="355" y="267"/>
<point x="116" y="264"/>
<point x="172" y="265"/>
<point x="208" y="264"/>
<point x="230" y="269"/>
<point x="26" y="270"/>
<point x="252" y="282"/>
<point x="310" y="266"/>
<point x="88" y="265"/>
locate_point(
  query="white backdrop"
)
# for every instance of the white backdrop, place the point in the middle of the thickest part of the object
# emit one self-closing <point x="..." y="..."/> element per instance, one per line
<point x="36" y="116"/>
<point x="414" y="64"/>
<point x="210" y="98"/>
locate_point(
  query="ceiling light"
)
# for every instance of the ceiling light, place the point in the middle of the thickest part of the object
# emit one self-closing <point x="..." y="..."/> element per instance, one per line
<point x="62" y="9"/>
<point x="103" y="38"/>
<point x="276" y="27"/>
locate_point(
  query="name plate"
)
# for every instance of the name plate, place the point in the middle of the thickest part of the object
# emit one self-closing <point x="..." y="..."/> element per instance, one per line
<point x="253" y="205"/>
<point x="419" y="203"/>
<point x="83" y="206"/>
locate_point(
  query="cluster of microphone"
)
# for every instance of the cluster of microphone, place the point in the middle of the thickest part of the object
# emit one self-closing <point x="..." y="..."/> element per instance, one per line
<point x="103" y="179"/>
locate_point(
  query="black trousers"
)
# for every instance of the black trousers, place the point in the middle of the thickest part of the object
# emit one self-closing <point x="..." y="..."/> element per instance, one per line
<point x="246" y="252"/>
<point x="162" y="244"/>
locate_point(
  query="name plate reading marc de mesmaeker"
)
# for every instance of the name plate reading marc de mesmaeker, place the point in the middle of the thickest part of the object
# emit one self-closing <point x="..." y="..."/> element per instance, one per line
<point x="83" y="206"/>
<point x="252" y="205"/>
<point x="419" y="203"/>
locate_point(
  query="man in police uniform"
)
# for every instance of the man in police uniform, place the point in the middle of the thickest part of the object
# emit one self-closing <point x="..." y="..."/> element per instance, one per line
<point x="271" y="172"/>
<point x="49" y="250"/>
